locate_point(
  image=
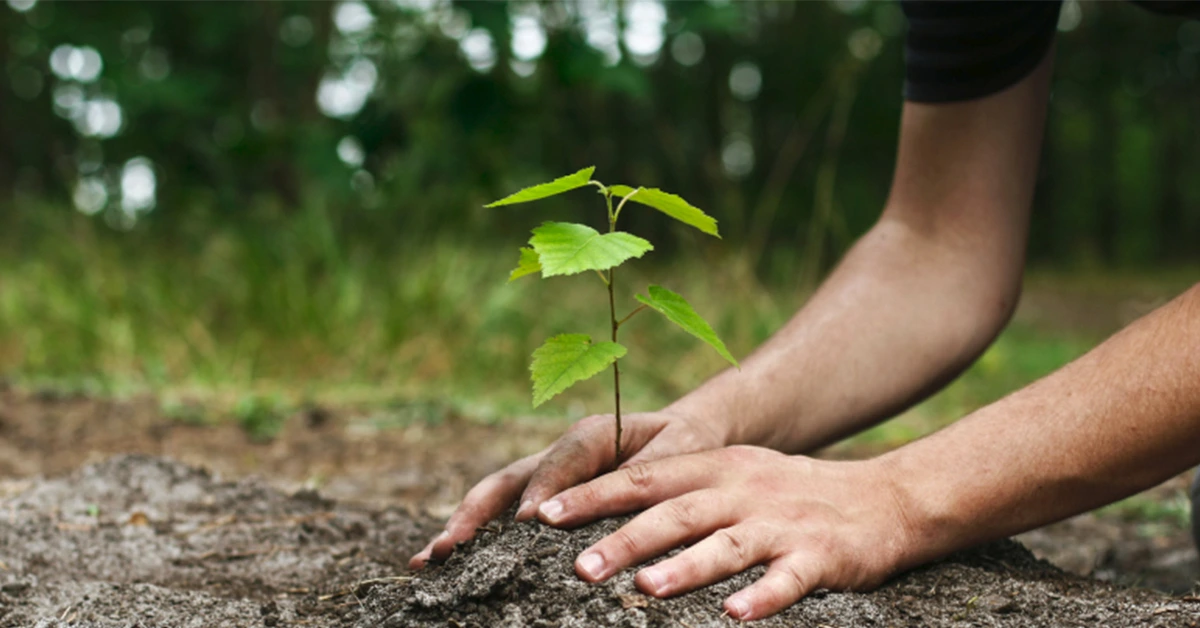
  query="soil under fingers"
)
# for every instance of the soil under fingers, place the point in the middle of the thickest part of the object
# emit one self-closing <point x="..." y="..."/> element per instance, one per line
<point x="518" y="575"/>
<point x="140" y="541"/>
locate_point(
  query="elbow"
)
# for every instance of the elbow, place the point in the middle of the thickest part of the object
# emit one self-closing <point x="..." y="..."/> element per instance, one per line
<point x="978" y="266"/>
<point x="995" y="310"/>
<point x="986" y="291"/>
<point x="971" y="278"/>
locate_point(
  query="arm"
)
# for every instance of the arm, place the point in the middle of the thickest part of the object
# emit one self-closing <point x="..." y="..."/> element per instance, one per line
<point x="1118" y="420"/>
<point x="1121" y="419"/>
<point x="917" y="298"/>
<point x="911" y="305"/>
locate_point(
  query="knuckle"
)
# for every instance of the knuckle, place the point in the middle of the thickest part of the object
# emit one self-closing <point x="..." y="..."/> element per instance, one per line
<point x="795" y="582"/>
<point x="640" y="476"/>
<point x="737" y="546"/>
<point x="589" y="423"/>
<point x="570" y="447"/>
<point x="624" y="544"/>
<point x="508" y="477"/>
<point x="580" y="495"/>
<point x="680" y="513"/>
<point x="740" y="453"/>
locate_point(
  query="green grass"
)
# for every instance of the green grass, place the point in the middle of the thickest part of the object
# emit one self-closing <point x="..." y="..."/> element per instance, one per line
<point x="293" y="315"/>
<point x="1153" y="512"/>
<point x="256" y="321"/>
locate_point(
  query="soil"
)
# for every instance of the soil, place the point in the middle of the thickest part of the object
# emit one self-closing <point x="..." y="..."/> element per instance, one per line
<point x="89" y="539"/>
<point x="522" y="575"/>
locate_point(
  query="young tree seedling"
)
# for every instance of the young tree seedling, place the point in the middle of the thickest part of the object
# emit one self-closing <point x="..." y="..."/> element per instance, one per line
<point x="563" y="248"/>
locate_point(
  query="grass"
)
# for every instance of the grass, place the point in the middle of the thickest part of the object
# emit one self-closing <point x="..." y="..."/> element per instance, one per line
<point x="292" y="316"/>
<point x="259" y="320"/>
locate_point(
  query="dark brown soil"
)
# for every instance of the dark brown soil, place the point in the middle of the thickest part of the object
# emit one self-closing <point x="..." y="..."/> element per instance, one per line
<point x="522" y="575"/>
<point x="140" y="541"/>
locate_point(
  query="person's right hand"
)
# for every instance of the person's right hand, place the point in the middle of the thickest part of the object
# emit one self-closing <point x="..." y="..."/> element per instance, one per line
<point x="585" y="451"/>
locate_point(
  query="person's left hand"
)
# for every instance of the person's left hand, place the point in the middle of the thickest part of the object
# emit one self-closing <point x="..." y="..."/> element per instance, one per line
<point x="816" y="524"/>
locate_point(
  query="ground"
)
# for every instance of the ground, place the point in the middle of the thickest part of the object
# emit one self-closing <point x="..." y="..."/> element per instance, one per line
<point x="204" y="526"/>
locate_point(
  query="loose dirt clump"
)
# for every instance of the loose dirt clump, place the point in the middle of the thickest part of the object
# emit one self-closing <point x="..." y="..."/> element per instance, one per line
<point x="517" y="575"/>
<point x="139" y="541"/>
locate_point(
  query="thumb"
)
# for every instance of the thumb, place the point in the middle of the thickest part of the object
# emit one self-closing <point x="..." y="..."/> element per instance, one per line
<point x="674" y="439"/>
<point x="584" y="452"/>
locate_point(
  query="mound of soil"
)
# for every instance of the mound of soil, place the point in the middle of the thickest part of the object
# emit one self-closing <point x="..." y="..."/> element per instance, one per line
<point x="140" y="541"/>
<point x="521" y="574"/>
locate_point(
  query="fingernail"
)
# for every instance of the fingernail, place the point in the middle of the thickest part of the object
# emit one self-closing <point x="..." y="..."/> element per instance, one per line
<point x="738" y="607"/>
<point x="524" y="511"/>
<point x="552" y="509"/>
<point x="656" y="579"/>
<point x="592" y="564"/>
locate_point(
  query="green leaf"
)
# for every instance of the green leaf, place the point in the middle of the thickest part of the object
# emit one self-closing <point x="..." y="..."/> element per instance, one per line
<point x="670" y="205"/>
<point x="566" y="248"/>
<point x="679" y="311"/>
<point x="544" y="190"/>
<point x="566" y="359"/>
<point x="528" y="264"/>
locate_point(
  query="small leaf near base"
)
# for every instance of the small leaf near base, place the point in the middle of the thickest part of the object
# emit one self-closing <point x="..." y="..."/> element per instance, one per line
<point x="566" y="359"/>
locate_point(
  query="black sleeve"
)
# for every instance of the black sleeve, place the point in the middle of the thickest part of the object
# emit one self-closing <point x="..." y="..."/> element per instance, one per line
<point x="962" y="50"/>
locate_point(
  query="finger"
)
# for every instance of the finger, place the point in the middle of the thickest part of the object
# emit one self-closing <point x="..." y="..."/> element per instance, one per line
<point x="723" y="553"/>
<point x="486" y="501"/>
<point x="676" y="439"/>
<point x="580" y="455"/>
<point x="787" y="581"/>
<point x="419" y="559"/>
<point x="657" y="531"/>
<point x="628" y="489"/>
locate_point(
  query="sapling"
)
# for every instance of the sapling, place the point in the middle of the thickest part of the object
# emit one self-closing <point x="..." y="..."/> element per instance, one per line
<point x="563" y="248"/>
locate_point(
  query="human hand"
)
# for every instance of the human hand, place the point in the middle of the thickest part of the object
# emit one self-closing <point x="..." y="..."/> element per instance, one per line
<point x="816" y="524"/>
<point x="583" y="452"/>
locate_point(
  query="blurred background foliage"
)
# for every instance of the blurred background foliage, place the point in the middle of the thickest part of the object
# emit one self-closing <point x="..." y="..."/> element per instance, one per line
<point x="287" y="195"/>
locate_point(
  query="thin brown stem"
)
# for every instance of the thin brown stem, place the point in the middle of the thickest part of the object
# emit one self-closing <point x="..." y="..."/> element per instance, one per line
<point x="612" y="309"/>
<point x="623" y="320"/>
<point x="612" y="316"/>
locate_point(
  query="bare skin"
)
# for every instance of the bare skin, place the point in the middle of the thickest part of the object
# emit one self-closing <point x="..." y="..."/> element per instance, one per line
<point x="914" y="302"/>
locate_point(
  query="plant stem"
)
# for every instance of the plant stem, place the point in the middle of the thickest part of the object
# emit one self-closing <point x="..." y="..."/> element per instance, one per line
<point x="612" y="309"/>
<point x="612" y="313"/>
<point x="624" y="320"/>
<point x="617" y="214"/>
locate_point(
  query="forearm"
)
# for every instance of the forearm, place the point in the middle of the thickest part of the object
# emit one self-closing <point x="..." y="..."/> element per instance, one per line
<point x="917" y="298"/>
<point x="1123" y="418"/>
<point x="903" y="313"/>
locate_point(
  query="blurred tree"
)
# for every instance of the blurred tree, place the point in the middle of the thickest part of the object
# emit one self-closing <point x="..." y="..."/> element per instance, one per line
<point x="402" y="117"/>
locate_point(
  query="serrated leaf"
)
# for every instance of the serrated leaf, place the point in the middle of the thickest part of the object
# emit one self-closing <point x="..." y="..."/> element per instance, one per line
<point x="566" y="248"/>
<point x="544" y="190"/>
<point x="528" y="264"/>
<point x="679" y="311"/>
<point x="670" y="205"/>
<point x="566" y="359"/>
